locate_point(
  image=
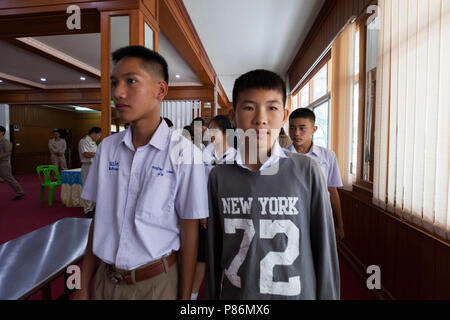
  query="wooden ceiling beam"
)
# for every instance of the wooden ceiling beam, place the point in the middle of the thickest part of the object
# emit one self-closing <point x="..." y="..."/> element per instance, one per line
<point x="21" y="81"/>
<point x="56" y="56"/>
<point x="51" y="96"/>
<point x="27" y="7"/>
<point x="47" y="24"/>
<point x="190" y="93"/>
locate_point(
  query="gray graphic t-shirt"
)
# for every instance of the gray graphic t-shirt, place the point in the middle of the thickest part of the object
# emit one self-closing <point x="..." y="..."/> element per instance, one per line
<point x="271" y="235"/>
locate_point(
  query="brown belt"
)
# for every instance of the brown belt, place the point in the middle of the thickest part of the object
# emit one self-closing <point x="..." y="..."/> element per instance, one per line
<point x="144" y="273"/>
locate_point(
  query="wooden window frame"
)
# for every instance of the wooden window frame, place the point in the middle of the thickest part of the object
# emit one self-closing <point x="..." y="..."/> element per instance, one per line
<point x="312" y="104"/>
<point x="360" y="183"/>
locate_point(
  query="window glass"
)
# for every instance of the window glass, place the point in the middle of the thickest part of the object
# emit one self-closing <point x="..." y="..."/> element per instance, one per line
<point x="320" y="83"/>
<point x="304" y="94"/>
<point x="371" y="77"/>
<point x="321" y="136"/>
<point x="372" y="45"/>
<point x="295" y="101"/>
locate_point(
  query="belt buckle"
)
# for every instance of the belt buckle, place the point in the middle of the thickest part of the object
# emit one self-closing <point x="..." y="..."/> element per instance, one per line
<point x="115" y="277"/>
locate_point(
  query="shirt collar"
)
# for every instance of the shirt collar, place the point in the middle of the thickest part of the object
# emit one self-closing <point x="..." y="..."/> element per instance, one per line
<point x="313" y="150"/>
<point x="277" y="153"/>
<point x="158" y="139"/>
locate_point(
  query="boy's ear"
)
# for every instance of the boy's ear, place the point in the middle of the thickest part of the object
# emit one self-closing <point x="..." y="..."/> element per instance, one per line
<point x="232" y="116"/>
<point x="163" y="89"/>
<point x="315" y="129"/>
<point x="285" y="116"/>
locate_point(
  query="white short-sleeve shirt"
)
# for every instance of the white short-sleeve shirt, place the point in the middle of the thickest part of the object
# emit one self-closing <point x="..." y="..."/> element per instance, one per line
<point x="327" y="161"/>
<point x="142" y="194"/>
<point x="86" y="145"/>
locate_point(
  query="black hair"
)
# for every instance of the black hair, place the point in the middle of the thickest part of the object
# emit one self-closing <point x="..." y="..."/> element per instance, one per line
<point x="169" y="123"/>
<point x="188" y="129"/>
<point x="282" y="132"/>
<point x="258" y="79"/>
<point x="223" y="122"/>
<point x="198" y="119"/>
<point x="151" y="58"/>
<point x="95" y="130"/>
<point x="2" y="129"/>
<point x="303" y="113"/>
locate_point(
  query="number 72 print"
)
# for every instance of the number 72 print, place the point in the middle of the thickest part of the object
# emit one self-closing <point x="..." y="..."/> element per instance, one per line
<point x="268" y="230"/>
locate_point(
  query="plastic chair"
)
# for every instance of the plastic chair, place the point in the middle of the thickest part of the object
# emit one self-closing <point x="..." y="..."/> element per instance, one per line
<point x="46" y="170"/>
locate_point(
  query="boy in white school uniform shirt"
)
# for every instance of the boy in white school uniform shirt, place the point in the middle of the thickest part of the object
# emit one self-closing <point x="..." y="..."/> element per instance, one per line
<point x="301" y="129"/>
<point x="149" y="195"/>
<point x="87" y="147"/>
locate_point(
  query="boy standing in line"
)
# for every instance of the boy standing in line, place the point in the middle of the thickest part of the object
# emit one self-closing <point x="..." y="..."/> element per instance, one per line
<point x="87" y="147"/>
<point x="148" y="205"/>
<point x="301" y="129"/>
<point x="272" y="235"/>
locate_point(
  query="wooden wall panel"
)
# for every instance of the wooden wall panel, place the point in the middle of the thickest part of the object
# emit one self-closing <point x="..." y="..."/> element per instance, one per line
<point x="442" y="274"/>
<point x="36" y="125"/>
<point x="390" y="254"/>
<point x="413" y="264"/>
<point x="37" y="116"/>
<point x="30" y="148"/>
<point x="330" y="21"/>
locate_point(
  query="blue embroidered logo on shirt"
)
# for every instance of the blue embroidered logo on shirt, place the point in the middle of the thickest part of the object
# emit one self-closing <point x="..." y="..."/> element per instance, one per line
<point x="160" y="171"/>
<point x="113" y="165"/>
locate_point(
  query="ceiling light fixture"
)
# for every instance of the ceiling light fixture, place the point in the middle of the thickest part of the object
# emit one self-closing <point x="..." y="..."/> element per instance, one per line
<point x="177" y="76"/>
<point x="43" y="79"/>
<point x="82" y="78"/>
<point x="82" y="109"/>
<point x="1" y="80"/>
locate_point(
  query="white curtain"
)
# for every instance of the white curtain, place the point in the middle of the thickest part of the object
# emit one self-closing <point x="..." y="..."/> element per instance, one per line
<point x="181" y="113"/>
<point x="343" y="75"/>
<point x="411" y="173"/>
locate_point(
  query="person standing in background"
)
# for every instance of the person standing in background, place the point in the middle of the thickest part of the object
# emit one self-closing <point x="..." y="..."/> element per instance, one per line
<point x="302" y="126"/>
<point x="199" y="127"/>
<point x="5" y="166"/>
<point x="57" y="148"/>
<point x="87" y="147"/>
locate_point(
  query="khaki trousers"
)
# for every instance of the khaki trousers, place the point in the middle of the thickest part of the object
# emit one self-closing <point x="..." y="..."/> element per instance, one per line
<point x="88" y="206"/>
<point x="59" y="162"/>
<point x="6" y="175"/>
<point x="160" y="287"/>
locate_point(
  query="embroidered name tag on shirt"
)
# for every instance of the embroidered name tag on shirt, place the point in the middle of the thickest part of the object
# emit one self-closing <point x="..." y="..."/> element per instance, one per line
<point x="160" y="171"/>
<point x="113" y="166"/>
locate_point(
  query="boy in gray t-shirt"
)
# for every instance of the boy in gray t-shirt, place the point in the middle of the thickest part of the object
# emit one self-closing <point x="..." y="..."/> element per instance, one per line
<point x="270" y="230"/>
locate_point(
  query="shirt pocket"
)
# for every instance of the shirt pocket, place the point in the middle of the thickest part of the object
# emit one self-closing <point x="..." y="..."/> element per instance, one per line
<point x="156" y="200"/>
